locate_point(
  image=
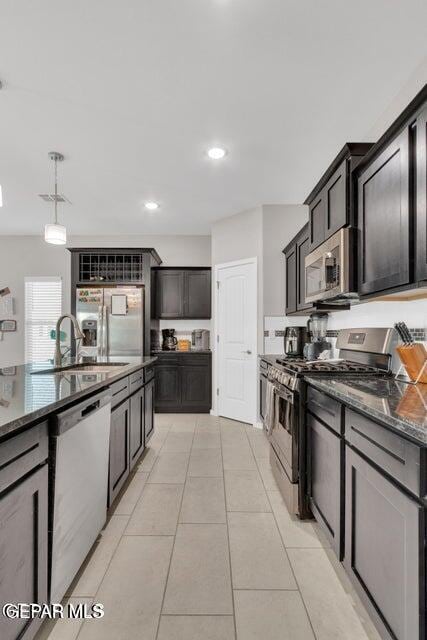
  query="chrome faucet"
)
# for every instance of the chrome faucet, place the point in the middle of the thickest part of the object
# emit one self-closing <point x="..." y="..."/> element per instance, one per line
<point x="78" y="334"/>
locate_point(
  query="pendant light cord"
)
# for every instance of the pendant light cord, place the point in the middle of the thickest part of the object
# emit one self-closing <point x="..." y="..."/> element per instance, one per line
<point x="56" y="190"/>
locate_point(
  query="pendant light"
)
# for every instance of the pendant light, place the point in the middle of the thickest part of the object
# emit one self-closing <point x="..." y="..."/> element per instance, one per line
<point x="55" y="233"/>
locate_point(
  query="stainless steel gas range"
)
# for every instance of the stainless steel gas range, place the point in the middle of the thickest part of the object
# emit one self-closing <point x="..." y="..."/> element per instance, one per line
<point x="362" y="353"/>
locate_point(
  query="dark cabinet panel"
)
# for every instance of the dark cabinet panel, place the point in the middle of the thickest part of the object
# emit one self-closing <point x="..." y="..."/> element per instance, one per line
<point x="325" y="480"/>
<point x="183" y="383"/>
<point x="168" y="385"/>
<point x="317" y="222"/>
<point x="23" y="550"/>
<point x="149" y="409"/>
<point x="137" y="420"/>
<point x="384" y="549"/>
<point x="302" y="248"/>
<point x="383" y="207"/>
<point x="169" y="293"/>
<point x="183" y="293"/>
<point x="119" y="448"/>
<point x="196" y="386"/>
<point x="197" y="292"/>
<point x="291" y="280"/>
<point x="421" y="197"/>
<point x="336" y="201"/>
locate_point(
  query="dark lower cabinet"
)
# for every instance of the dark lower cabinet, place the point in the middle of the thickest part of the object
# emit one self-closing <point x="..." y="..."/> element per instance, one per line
<point x="119" y="448"/>
<point x="324" y="472"/>
<point x="384" y="203"/>
<point x="137" y="430"/>
<point x="183" y="383"/>
<point x="384" y="550"/>
<point x="24" y="550"/>
<point x="149" y="409"/>
<point x="168" y="385"/>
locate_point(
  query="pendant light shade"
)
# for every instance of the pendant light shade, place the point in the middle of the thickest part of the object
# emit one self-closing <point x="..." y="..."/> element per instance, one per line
<point x="55" y="234"/>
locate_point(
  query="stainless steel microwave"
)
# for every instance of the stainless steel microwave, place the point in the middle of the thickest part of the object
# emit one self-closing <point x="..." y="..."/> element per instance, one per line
<point x="329" y="269"/>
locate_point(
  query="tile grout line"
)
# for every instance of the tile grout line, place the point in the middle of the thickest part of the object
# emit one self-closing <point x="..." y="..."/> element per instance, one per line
<point x="228" y="535"/>
<point x="174" y="541"/>
<point x="284" y="548"/>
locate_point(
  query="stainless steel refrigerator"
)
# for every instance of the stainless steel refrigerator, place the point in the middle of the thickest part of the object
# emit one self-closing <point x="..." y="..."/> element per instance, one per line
<point x="112" y="320"/>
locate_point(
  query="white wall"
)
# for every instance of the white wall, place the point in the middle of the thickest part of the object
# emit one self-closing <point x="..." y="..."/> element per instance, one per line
<point x="280" y="224"/>
<point x="22" y="256"/>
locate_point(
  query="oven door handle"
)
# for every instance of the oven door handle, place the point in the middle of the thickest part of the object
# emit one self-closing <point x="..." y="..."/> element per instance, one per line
<point x="282" y="392"/>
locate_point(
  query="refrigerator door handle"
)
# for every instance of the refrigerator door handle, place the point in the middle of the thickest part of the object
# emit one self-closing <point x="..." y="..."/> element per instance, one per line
<point x="105" y="332"/>
<point x="100" y="336"/>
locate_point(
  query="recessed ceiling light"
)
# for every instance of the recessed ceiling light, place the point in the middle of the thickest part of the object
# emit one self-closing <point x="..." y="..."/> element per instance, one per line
<point x="151" y="206"/>
<point x="216" y="153"/>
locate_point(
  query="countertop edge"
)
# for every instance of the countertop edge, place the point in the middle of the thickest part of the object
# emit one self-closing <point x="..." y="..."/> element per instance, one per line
<point x="399" y="427"/>
<point x="31" y="419"/>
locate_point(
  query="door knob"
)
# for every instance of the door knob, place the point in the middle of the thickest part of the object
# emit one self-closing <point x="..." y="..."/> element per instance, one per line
<point x="247" y="351"/>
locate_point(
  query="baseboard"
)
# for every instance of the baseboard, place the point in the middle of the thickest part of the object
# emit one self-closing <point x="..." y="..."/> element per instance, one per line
<point x="258" y="425"/>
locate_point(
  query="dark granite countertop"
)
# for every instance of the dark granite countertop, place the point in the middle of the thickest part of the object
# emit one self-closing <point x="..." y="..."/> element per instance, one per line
<point x="396" y="404"/>
<point x="25" y="396"/>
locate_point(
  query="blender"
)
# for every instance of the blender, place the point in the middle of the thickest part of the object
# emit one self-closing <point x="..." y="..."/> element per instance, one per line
<point x="317" y="327"/>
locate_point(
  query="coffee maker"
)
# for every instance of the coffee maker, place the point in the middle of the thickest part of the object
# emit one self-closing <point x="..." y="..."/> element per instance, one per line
<point x="294" y="340"/>
<point x="169" y="340"/>
<point x="317" y="327"/>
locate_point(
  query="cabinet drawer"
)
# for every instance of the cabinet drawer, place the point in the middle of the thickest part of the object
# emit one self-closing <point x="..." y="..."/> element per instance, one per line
<point x="148" y="374"/>
<point x="398" y="457"/>
<point x="136" y="381"/>
<point x="119" y="391"/>
<point x="202" y="359"/>
<point x="325" y="408"/>
<point x="21" y="453"/>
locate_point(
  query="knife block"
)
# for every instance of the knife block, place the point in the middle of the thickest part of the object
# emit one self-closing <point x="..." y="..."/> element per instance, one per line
<point x="414" y="359"/>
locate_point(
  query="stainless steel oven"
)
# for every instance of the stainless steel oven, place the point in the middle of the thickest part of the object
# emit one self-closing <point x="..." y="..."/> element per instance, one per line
<point x="284" y="438"/>
<point x="329" y="272"/>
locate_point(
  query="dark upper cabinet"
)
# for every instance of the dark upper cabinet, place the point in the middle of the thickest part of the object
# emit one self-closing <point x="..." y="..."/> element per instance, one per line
<point x="197" y="292"/>
<point x="169" y="293"/>
<point x="119" y="449"/>
<point x="316" y="216"/>
<point x="295" y="254"/>
<point x="182" y="293"/>
<point x="302" y="249"/>
<point x="421" y="196"/>
<point x="291" y="278"/>
<point x="183" y="383"/>
<point x="384" y="218"/>
<point x="384" y="549"/>
<point x="331" y="202"/>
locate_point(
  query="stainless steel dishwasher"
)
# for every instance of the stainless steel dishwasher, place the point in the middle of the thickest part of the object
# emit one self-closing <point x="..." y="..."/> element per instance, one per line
<point x="79" y="473"/>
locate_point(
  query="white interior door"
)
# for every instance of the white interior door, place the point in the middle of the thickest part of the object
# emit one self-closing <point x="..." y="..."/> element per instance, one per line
<point x="237" y="343"/>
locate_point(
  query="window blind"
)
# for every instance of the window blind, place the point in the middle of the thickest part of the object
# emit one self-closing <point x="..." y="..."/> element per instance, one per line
<point x="43" y="303"/>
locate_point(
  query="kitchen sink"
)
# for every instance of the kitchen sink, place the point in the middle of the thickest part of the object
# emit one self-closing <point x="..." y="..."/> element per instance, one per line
<point x="84" y="367"/>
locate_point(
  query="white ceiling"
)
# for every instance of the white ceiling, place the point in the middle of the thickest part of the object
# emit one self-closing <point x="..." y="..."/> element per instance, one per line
<point x="132" y="92"/>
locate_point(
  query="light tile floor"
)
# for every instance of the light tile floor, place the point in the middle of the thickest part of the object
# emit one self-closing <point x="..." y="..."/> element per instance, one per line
<point x="201" y="547"/>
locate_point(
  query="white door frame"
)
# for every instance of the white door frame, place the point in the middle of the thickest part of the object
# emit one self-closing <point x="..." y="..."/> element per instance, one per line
<point x="215" y="376"/>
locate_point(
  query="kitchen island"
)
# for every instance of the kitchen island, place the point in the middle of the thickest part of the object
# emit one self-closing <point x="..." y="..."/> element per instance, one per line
<point x="69" y="438"/>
